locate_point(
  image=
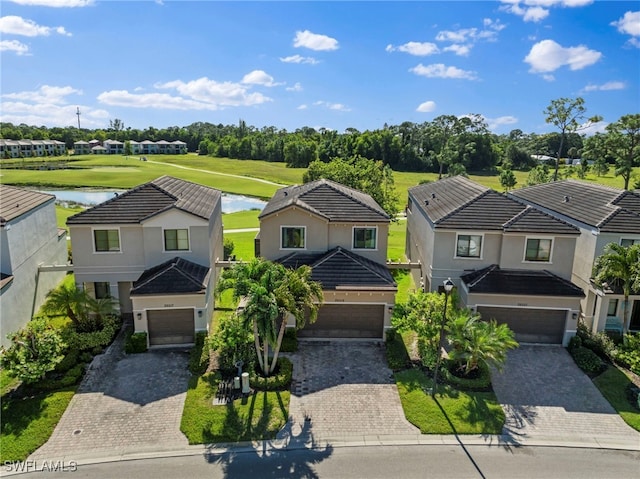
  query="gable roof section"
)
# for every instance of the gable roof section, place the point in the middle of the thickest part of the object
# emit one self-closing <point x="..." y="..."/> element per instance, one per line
<point x="342" y="269"/>
<point x="493" y="280"/>
<point x="15" y="202"/>
<point x="149" y="199"/>
<point x="609" y="209"/>
<point x="459" y="203"/>
<point x="176" y="276"/>
<point x="329" y="200"/>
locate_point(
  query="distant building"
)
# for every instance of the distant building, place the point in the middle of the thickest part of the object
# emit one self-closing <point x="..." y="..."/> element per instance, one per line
<point x="146" y="147"/>
<point x="31" y="148"/>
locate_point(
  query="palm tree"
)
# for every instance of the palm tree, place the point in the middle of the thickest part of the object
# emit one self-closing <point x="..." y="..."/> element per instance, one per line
<point x="475" y="341"/>
<point x="69" y="300"/>
<point x="619" y="266"/>
<point x="99" y="308"/>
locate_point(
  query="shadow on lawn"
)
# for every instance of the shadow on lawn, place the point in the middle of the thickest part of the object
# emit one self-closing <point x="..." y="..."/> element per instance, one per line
<point x="291" y="456"/>
<point x="20" y="412"/>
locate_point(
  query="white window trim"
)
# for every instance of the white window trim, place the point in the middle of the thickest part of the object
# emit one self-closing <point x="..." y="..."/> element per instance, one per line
<point x="635" y="239"/>
<point x="293" y="249"/>
<point x="472" y="258"/>
<point x="105" y="228"/>
<point x="524" y="253"/>
<point x="188" y="250"/>
<point x="353" y="239"/>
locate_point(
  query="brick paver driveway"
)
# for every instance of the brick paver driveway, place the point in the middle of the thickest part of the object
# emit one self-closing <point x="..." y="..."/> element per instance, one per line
<point x="346" y="390"/>
<point x="126" y="404"/>
<point x="545" y="395"/>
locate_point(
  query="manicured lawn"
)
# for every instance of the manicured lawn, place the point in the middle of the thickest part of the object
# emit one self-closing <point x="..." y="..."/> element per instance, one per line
<point x="260" y="416"/>
<point x="396" y="241"/>
<point x="28" y="423"/>
<point x="453" y="412"/>
<point x="241" y="219"/>
<point x="7" y="382"/>
<point x="613" y="385"/>
<point x="243" y="244"/>
<point x="63" y="213"/>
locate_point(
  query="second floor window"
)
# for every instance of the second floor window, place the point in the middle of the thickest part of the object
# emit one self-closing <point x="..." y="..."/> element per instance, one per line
<point x="469" y="246"/>
<point x="293" y="237"/>
<point x="106" y="240"/>
<point x="364" y="238"/>
<point x="626" y="242"/>
<point x="538" y="250"/>
<point x="176" y="240"/>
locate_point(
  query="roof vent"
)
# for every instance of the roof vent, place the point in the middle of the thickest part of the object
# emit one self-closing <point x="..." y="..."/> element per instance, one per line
<point x="426" y="202"/>
<point x="433" y="195"/>
<point x="286" y="193"/>
<point x="566" y="199"/>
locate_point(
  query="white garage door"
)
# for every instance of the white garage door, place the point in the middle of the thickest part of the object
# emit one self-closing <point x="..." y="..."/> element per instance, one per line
<point x="170" y="326"/>
<point x="529" y="325"/>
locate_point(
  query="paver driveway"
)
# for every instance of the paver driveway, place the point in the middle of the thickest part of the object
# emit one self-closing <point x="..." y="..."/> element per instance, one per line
<point x="346" y="390"/>
<point x="545" y="395"/>
<point x="130" y="404"/>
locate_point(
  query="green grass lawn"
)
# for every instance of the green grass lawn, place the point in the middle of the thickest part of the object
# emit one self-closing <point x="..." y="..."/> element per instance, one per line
<point x="613" y="385"/>
<point x="28" y="423"/>
<point x="453" y="411"/>
<point x="260" y="416"/>
<point x="7" y="382"/>
<point x="243" y="244"/>
<point x="241" y="219"/>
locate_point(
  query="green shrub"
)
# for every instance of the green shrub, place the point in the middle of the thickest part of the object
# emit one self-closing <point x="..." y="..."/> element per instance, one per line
<point x="135" y="343"/>
<point x="587" y="360"/>
<point x="69" y="361"/>
<point x="397" y="356"/>
<point x="86" y="357"/>
<point x="428" y="354"/>
<point x="482" y="381"/>
<point x="71" y="377"/>
<point x="629" y="353"/>
<point x="600" y="343"/>
<point x="199" y="355"/>
<point x="289" y="341"/>
<point x="278" y="381"/>
<point x="575" y="342"/>
<point x="96" y="339"/>
<point x="232" y="342"/>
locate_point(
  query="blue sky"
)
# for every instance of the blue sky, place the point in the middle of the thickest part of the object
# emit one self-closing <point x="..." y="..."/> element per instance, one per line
<point x="321" y="64"/>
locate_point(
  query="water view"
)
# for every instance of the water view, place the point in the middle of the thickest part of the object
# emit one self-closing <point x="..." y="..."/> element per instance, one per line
<point x="230" y="203"/>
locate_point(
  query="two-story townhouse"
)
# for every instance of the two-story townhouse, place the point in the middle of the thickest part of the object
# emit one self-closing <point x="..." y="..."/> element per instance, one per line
<point x="510" y="262"/>
<point x="29" y="239"/>
<point x="153" y="248"/>
<point x="604" y="215"/>
<point x="81" y="148"/>
<point x="342" y="234"/>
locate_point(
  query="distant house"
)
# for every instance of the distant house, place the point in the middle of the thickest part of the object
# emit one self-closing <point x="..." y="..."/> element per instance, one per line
<point x="29" y="239"/>
<point x="341" y="233"/>
<point x="153" y="248"/>
<point x="31" y="148"/>
<point x="81" y="148"/>
<point x="510" y="261"/>
<point x="146" y="147"/>
<point x="603" y="215"/>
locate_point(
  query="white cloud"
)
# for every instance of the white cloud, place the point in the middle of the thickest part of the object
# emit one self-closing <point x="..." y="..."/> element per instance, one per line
<point x="548" y="56"/>
<point x="611" y="85"/>
<point x="55" y="3"/>
<point x="458" y="49"/>
<point x="458" y="36"/>
<point x="332" y="106"/>
<point x="537" y="10"/>
<point x="495" y="123"/>
<point x="302" y="107"/>
<point x="48" y="105"/>
<point x="589" y="129"/>
<point x="296" y="87"/>
<point x="299" y="59"/>
<point x="629" y="24"/>
<point x="548" y="77"/>
<point x="14" y="25"/>
<point x="420" y="49"/>
<point x="15" y="46"/>
<point x="426" y="106"/>
<point x="200" y="94"/>
<point x="314" y="41"/>
<point x="259" y="77"/>
<point x="439" y="70"/>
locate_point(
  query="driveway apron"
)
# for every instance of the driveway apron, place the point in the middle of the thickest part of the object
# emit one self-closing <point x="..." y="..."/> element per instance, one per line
<point x="344" y="389"/>
<point x="125" y="404"/>
<point x="545" y="395"/>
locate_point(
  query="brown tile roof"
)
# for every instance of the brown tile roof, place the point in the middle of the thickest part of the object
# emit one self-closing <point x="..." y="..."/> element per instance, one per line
<point x="493" y="280"/>
<point x="459" y="203"/>
<point x="340" y="268"/>
<point x="176" y="276"/>
<point x="327" y="199"/>
<point x="149" y="199"/>
<point x="608" y="209"/>
<point x="15" y="202"/>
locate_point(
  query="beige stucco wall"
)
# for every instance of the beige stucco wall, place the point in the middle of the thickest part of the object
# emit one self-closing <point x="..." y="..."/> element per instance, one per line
<point x="419" y="245"/>
<point x="143" y="303"/>
<point x="562" y="254"/>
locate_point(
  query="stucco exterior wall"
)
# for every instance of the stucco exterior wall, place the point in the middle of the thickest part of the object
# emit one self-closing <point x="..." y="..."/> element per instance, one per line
<point x="419" y="245"/>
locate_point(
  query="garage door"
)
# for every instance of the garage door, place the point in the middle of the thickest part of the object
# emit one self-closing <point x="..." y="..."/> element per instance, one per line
<point x="530" y="325"/>
<point x="170" y="326"/>
<point x="346" y="321"/>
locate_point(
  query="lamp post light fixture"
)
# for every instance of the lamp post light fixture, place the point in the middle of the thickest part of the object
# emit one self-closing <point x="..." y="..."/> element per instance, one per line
<point x="448" y="287"/>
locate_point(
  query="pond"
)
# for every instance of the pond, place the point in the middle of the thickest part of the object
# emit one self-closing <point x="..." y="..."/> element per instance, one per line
<point x="230" y="203"/>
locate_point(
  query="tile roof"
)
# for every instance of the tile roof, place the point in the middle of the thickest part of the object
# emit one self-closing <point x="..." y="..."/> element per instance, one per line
<point x="493" y="280"/>
<point x="176" y="276"/>
<point x="459" y="203"/>
<point x="327" y="199"/>
<point x="144" y="201"/>
<point x="608" y="209"/>
<point x="15" y="202"/>
<point x="341" y="269"/>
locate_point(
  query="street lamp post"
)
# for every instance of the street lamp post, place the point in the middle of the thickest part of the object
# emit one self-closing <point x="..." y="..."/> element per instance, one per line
<point x="448" y="287"/>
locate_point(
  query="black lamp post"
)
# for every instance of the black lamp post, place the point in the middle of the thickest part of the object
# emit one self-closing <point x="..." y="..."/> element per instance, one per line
<point x="448" y="287"/>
